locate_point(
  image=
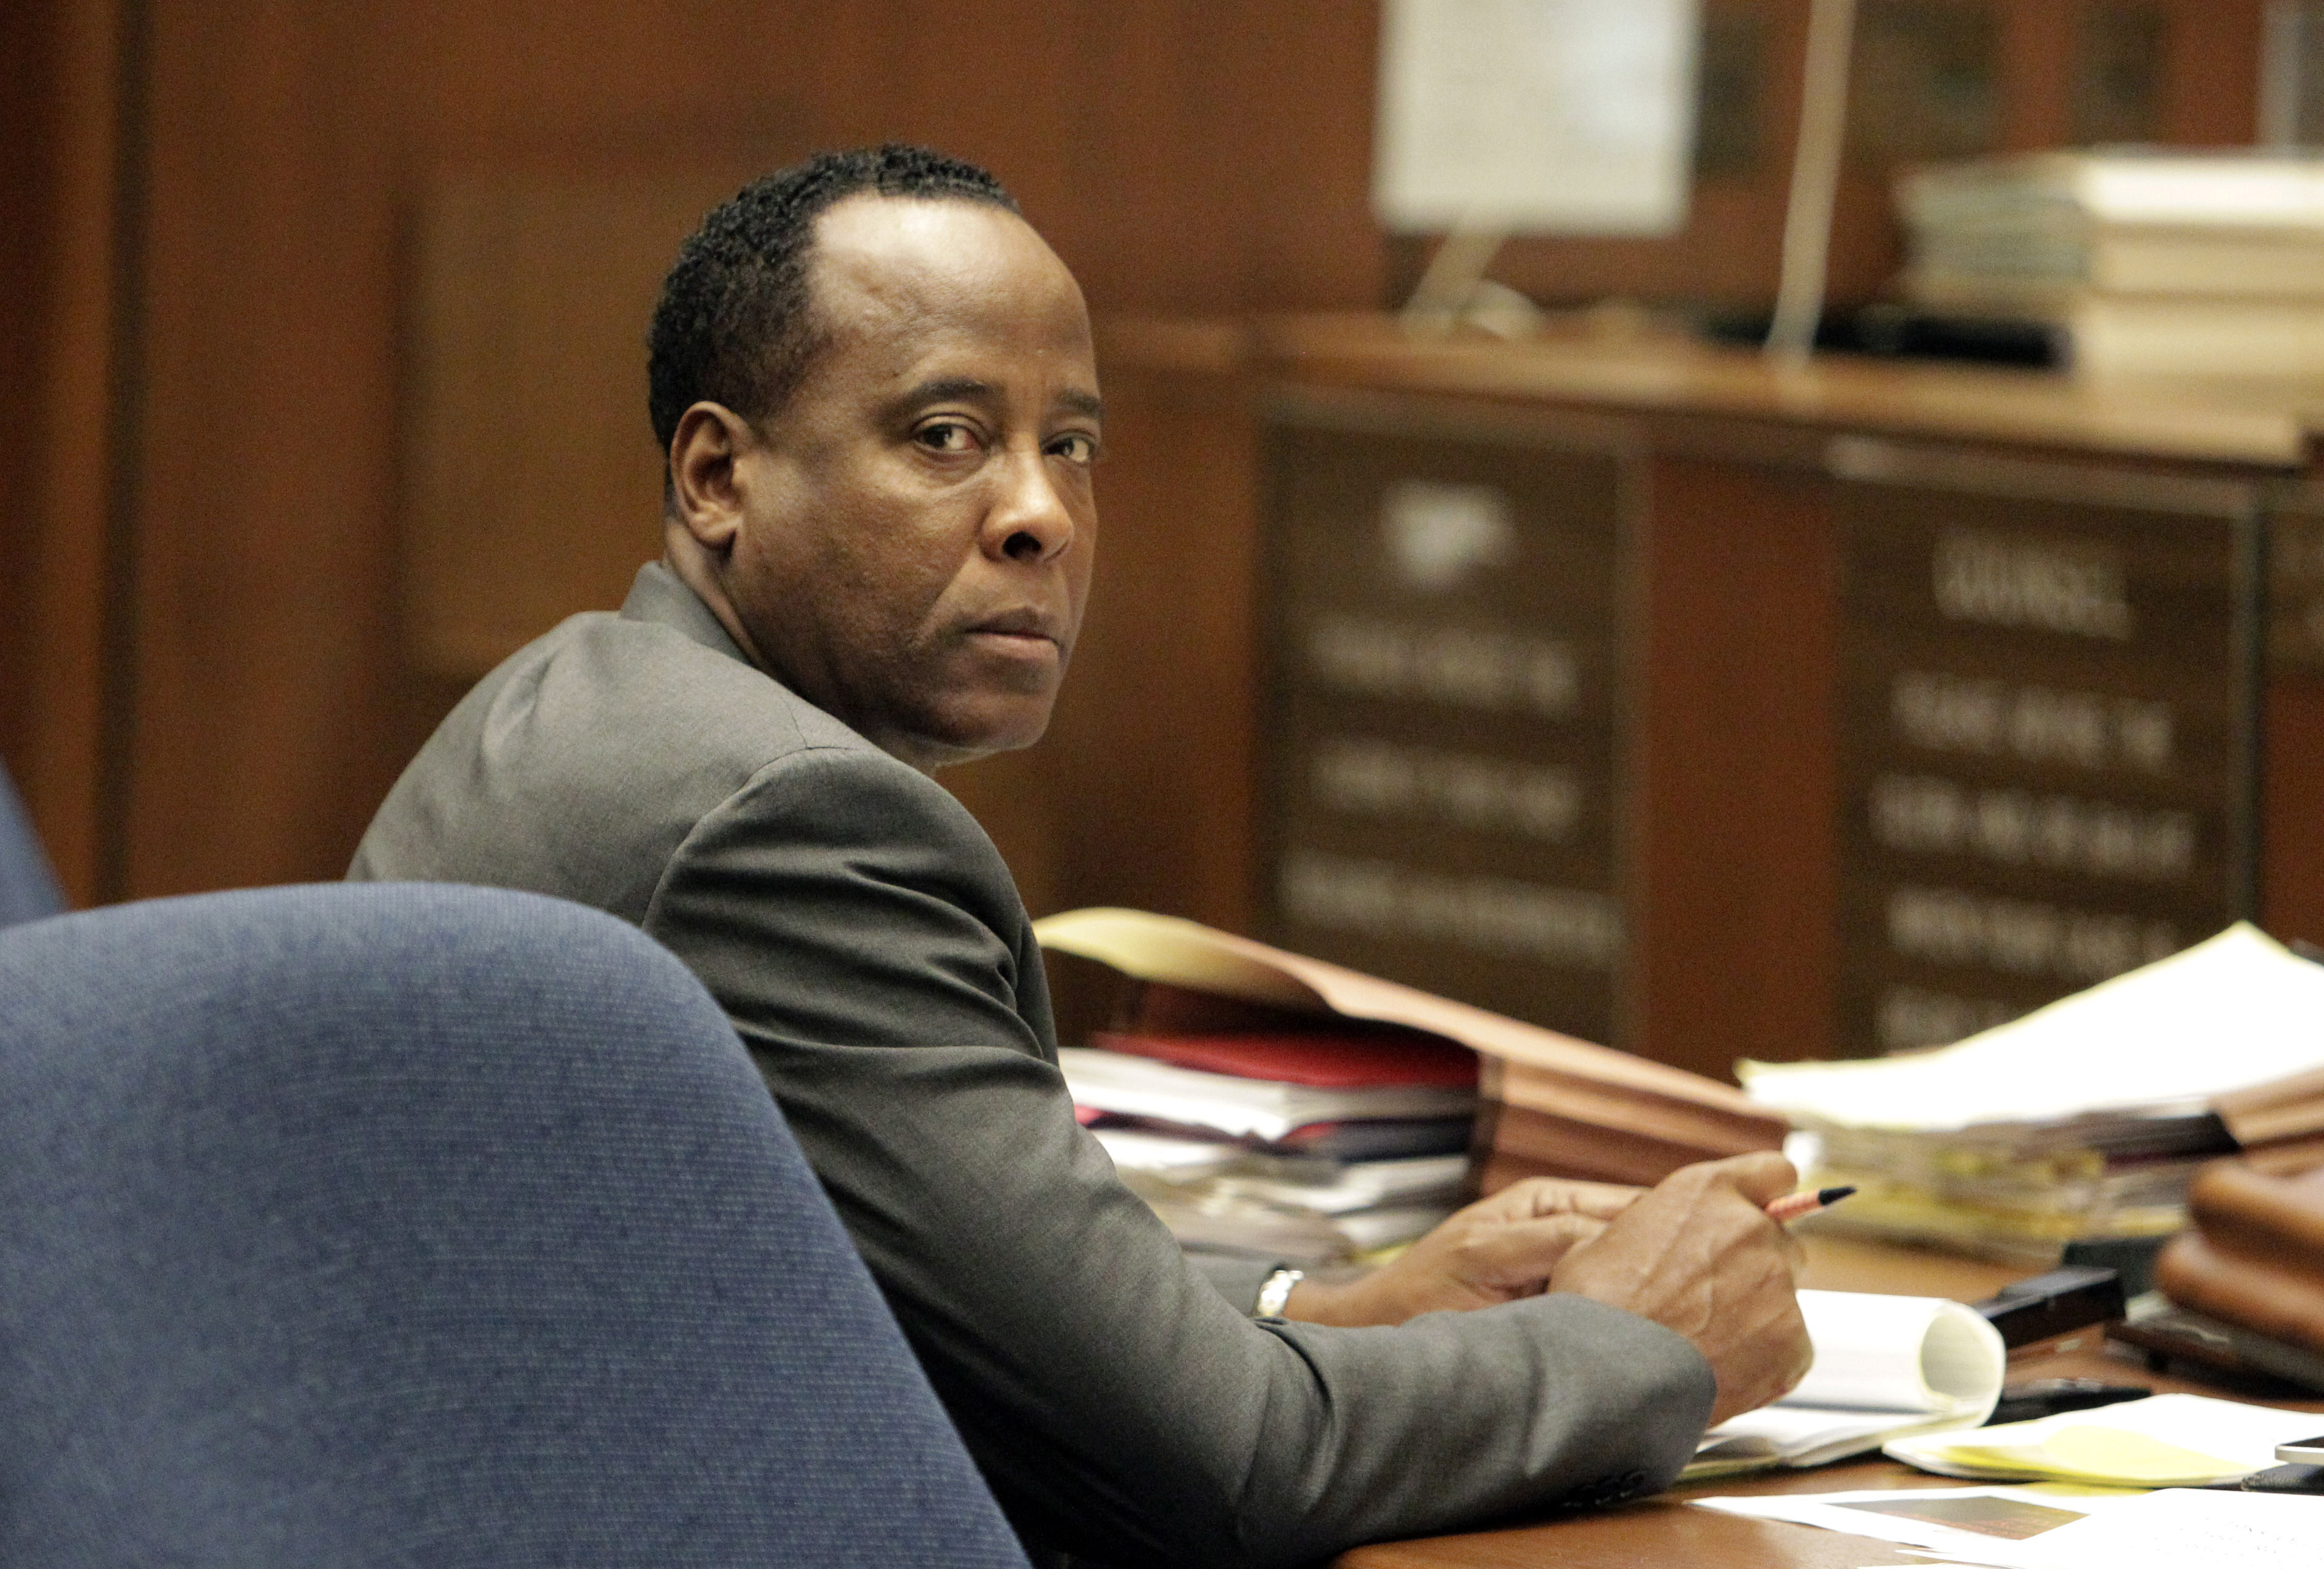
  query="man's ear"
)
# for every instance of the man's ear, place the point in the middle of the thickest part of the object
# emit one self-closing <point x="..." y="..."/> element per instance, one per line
<point x="704" y="497"/>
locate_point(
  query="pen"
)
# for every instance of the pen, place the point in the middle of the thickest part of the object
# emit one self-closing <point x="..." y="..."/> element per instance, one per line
<point x="1792" y="1206"/>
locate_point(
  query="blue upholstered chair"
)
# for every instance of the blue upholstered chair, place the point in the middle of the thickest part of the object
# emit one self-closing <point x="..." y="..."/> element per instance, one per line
<point x="431" y="1226"/>
<point x="27" y="890"/>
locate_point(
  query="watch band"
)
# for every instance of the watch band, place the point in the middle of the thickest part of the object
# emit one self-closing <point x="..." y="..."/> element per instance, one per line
<point x="1277" y="1292"/>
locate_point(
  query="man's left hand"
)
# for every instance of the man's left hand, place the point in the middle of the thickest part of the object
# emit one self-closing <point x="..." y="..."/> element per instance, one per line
<point x="1496" y="1248"/>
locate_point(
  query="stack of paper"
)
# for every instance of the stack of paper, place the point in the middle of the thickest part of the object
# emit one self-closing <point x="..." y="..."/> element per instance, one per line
<point x="1228" y="1197"/>
<point x="2085" y="1119"/>
<point x="1130" y="1076"/>
<point x="2172" y="262"/>
<point x="1551" y="1104"/>
<point x="1307" y="1146"/>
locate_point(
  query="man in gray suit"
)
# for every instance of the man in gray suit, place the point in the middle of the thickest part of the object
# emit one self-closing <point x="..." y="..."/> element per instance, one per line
<point x="877" y="392"/>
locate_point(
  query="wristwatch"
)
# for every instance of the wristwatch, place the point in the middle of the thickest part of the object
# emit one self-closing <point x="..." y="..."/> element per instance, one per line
<point x="1277" y="1292"/>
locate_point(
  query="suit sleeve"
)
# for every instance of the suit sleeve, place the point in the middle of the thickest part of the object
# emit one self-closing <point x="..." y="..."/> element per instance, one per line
<point x="851" y="917"/>
<point x="1237" y="1277"/>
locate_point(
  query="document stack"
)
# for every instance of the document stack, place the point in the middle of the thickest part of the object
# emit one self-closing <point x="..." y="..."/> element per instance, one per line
<point x="1307" y="1145"/>
<point x="2140" y="262"/>
<point x="2086" y="1119"/>
<point x="1267" y="1103"/>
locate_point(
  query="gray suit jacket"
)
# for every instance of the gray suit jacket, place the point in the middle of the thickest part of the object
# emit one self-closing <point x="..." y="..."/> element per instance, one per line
<point x="869" y="945"/>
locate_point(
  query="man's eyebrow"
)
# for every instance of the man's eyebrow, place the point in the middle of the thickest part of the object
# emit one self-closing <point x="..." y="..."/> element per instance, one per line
<point x="968" y="389"/>
<point x="965" y="388"/>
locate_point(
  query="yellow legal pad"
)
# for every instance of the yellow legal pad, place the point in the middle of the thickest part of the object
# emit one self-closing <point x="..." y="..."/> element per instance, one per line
<point x="2098" y="1454"/>
<point x="2164" y="1441"/>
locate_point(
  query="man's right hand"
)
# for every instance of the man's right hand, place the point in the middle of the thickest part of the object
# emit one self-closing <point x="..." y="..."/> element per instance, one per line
<point x="1699" y="1255"/>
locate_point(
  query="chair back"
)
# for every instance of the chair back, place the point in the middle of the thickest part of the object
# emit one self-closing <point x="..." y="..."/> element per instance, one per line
<point x="28" y="888"/>
<point x="402" y="1224"/>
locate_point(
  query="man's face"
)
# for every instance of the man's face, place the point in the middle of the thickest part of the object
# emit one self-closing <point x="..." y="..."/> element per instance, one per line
<point x="917" y="524"/>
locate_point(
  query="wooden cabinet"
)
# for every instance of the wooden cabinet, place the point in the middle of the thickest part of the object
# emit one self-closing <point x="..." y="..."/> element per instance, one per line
<point x="1653" y="693"/>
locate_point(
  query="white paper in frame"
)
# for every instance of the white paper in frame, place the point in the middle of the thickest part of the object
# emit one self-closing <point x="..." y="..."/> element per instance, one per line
<point x="1536" y="116"/>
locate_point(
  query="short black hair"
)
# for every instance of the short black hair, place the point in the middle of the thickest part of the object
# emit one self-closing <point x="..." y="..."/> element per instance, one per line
<point x="733" y="325"/>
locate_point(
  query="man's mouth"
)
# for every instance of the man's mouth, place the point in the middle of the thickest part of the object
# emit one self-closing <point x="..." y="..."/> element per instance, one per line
<point x="1024" y="626"/>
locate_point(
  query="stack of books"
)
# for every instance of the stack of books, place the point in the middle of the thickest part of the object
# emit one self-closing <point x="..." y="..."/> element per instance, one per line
<point x="2139" y="262"/>
<point x="2087" y="1119"/>
<point x="1267" y="1103"/>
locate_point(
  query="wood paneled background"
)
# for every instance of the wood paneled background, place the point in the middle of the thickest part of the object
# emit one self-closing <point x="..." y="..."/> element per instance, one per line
<point x="213" y="649"/>
<point x="281" y="153"/>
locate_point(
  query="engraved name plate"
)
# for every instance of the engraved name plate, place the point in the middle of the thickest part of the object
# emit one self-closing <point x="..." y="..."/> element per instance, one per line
<point x="1442" y="744"/>
<point x="2048" y="694"/>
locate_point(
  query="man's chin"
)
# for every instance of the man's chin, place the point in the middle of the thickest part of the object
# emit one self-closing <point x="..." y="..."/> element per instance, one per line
<point x="965" y="735"/>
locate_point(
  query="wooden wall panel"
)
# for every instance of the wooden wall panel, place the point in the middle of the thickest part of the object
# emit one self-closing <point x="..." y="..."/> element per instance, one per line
<point x="529" y="482"/>
<point x="2291" y="807"/>
<point x="294" y="147"/>
<point x="1154" y="143"/>
<point x="28" y="125"/>
<point x="1734" y="824"/>
<point x="1305" y="164"/>
<point x="2211" y="81"/>
<point x="1157" y="807"/>
<point x="267" y="671"/>
<point x="60" y="115"/>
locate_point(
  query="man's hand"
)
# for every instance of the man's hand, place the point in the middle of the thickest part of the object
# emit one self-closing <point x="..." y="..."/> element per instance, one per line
<point x="1699" y="1255"/>
<point x="1496" y="1248"/>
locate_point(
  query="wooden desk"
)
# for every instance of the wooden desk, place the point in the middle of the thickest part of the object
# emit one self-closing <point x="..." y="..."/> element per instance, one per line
<point x="1661" y="1533"/>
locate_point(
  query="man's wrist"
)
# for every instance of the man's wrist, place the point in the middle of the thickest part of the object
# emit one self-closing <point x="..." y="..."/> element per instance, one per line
<point x="1342" y="1303"/>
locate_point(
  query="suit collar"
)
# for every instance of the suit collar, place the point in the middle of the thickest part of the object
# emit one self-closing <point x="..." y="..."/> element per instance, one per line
<point x="659" y="595"/>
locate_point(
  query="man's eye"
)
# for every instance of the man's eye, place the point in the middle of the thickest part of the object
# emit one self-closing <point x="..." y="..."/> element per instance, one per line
<point x="945" y="435"/>
<point x="1074" y="448"/>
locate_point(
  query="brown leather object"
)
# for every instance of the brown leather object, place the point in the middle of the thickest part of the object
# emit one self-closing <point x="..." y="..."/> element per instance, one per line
<point x="1525" y="1142"/>
<point x="2248" y="1212"/>
<point x="2285" y="1111"/>
<point x="2254" y="1255"/>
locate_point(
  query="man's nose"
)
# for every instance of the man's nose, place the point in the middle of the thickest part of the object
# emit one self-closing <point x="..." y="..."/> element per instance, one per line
<point x="1029" y="521"/>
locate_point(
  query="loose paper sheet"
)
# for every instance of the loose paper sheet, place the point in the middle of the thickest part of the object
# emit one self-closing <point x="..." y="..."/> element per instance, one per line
<point x="2235" y="1011"/>
<point x="1884" y="1365"/>
<point x="1879" y="1353"/>
<point x="2176" y="1528"/>
<point x="1953" y="1519"/>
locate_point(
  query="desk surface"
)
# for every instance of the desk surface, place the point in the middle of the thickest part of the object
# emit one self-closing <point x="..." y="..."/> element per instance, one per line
<point x="1661" y="1532"/>
<point x="2242" y="420"/>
